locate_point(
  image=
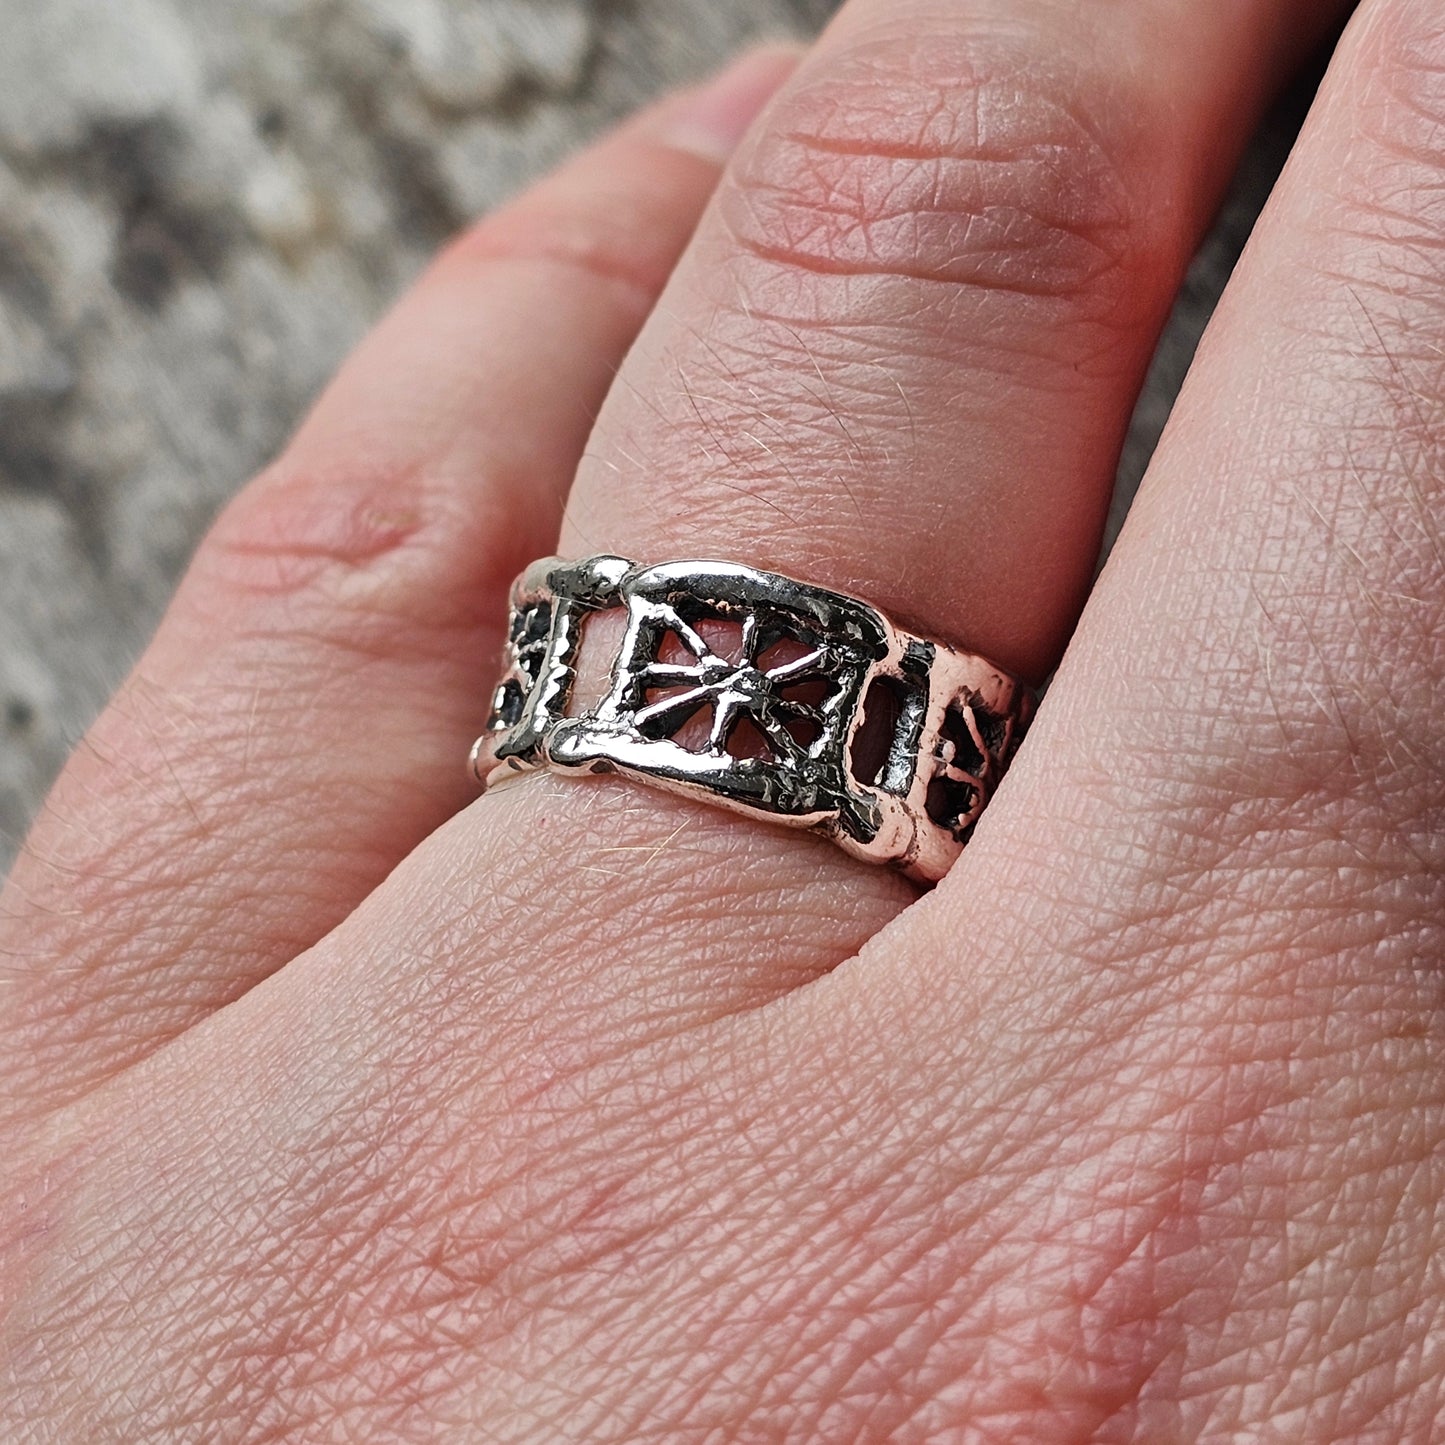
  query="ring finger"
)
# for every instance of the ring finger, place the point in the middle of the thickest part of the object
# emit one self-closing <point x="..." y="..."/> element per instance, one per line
<point x="899" y="359"/>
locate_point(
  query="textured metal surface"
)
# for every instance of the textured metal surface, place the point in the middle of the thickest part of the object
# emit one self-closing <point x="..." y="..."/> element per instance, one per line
<point x="760" y="694"/>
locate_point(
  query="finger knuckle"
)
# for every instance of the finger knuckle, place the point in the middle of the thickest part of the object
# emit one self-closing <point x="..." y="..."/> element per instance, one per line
<point x="984" y="162"/>
<point x="351" y="547"/>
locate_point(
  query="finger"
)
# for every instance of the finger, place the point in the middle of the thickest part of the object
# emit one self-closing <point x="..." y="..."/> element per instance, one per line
<point x="903" y="352"/>
<point x="297" y="725"/>
<point x="899" y="358"/>
<point x="1222" y="913"/>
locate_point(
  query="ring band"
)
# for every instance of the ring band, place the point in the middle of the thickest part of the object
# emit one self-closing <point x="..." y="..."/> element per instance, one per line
<point x="754" y="692"/>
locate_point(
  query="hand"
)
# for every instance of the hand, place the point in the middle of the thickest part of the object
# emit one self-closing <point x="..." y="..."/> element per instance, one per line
<point x="340" y="1106"/>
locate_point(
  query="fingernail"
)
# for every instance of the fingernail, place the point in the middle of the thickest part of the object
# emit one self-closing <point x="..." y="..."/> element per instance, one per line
<point x="711" y="119"/>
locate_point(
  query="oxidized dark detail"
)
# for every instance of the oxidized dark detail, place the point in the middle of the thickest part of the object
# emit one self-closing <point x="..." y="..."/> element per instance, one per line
<point x="763" y="695"/>
<point x="528" y="636"/>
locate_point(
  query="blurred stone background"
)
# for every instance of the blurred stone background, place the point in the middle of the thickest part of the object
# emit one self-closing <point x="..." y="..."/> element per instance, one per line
<point x="202" y="205"/>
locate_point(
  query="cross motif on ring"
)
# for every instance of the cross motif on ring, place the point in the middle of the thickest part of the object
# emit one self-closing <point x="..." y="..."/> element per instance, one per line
<point x="731" y="688"/>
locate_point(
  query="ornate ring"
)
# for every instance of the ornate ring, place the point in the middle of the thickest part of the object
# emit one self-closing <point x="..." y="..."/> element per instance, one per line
<point x="756" y="693"/>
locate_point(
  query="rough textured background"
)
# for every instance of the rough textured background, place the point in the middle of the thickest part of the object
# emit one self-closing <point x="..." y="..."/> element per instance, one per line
<point x="204" y="202"/>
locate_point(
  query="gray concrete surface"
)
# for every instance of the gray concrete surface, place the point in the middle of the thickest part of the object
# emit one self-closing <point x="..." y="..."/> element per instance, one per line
<point x="204" y="202"/>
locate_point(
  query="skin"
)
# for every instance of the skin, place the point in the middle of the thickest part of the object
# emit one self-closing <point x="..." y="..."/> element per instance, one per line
<point x="336" y="1106"/>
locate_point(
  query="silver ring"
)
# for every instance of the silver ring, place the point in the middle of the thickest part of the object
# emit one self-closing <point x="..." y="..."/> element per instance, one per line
<point x="757" y="693"/>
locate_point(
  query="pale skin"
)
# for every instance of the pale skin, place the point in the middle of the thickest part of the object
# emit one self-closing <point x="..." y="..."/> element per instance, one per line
<point x="339" y="1105"/>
